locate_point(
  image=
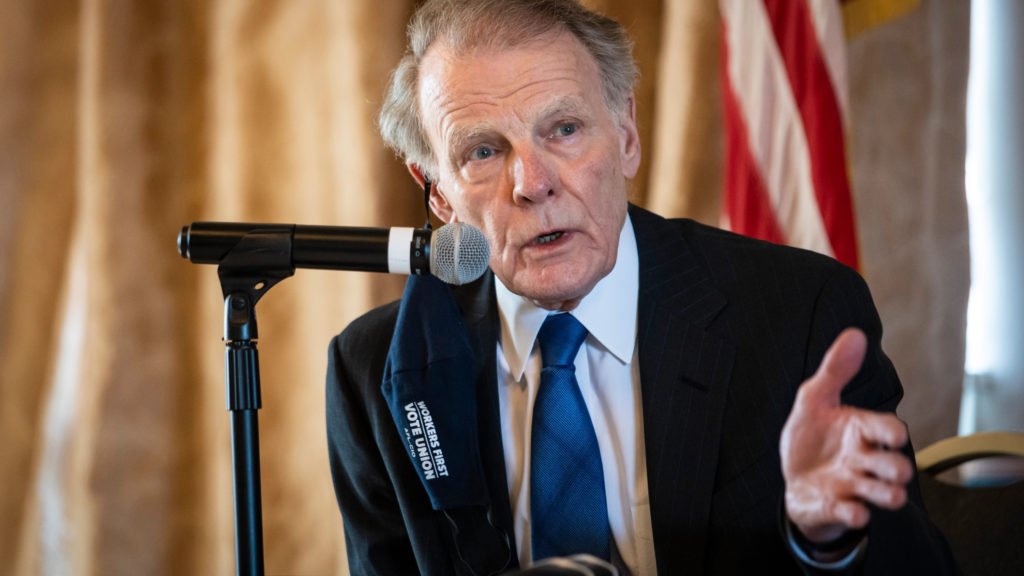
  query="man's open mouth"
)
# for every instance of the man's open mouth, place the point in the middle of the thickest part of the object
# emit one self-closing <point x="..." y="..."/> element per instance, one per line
<point x="551" y="237"/>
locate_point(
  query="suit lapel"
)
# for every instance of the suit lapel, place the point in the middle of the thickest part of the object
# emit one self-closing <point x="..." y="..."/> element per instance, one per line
<point x="684" y="375"/>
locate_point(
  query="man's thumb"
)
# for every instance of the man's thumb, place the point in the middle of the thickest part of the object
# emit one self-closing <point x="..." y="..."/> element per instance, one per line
<point x="841" y="363"/>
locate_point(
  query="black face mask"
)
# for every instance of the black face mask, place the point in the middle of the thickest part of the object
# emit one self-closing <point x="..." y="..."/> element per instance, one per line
<point x="430" y="388"/>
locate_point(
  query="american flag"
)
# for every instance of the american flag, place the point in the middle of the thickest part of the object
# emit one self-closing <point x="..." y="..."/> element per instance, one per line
<point x="785" y="109"/>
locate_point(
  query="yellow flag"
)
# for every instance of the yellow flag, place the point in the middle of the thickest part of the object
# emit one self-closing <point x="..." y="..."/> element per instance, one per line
<point x="860" y="15"/>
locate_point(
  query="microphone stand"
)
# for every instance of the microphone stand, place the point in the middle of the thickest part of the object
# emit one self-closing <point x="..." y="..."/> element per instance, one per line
<point x="254" y="264"/>
<point x="258" y="262"/>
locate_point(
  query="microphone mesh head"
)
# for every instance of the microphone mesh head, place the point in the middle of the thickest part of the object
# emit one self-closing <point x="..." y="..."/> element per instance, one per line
<point x="458" y="253"/>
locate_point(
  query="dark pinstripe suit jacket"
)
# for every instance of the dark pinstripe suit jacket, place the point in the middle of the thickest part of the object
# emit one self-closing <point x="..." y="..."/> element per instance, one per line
<point x="728" y="329"/>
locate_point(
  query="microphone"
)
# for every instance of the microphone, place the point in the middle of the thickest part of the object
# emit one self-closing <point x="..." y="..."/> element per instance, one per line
<point x="455" y="253"/>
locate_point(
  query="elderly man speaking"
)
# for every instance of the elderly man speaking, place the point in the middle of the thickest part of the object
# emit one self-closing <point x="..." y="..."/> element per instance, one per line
<point x="668" y="397"/>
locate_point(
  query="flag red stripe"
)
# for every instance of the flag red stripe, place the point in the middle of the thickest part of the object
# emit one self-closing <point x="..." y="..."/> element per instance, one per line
<point x="812" y="89"/>
<point x="747" y="203"/>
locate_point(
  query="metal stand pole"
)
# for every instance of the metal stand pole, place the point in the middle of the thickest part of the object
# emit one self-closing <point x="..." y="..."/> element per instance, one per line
<point x="242" y="375"/>
<point x="258" y="262"/>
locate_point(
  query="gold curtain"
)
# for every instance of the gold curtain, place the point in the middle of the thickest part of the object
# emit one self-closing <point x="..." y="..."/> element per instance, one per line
<point x="122" y="121"/>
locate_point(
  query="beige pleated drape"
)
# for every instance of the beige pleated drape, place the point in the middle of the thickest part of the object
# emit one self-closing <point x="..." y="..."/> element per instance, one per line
<point x="122" y="121"/>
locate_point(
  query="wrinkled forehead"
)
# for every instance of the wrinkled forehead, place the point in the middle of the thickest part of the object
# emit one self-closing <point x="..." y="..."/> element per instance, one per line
<point x="549" y="67"/>
<point x="444" y="68"/>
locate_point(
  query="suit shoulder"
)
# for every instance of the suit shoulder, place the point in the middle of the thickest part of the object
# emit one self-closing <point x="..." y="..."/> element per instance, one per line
<point x="741" y="258"/>
<point x="368" y="333"/>
<point x="708" y="241"/>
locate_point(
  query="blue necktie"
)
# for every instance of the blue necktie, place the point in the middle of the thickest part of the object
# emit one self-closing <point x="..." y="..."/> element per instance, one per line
<point x="568" y="514"/>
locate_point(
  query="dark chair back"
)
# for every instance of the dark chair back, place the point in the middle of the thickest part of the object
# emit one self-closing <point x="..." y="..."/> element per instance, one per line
<point x="984" y="524"/>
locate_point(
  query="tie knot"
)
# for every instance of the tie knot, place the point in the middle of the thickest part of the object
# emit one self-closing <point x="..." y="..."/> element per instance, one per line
<point x="560" y="338"/>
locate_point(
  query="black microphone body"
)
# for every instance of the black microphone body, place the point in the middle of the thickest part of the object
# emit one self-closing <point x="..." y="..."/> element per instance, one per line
<point x="456" y="253"/>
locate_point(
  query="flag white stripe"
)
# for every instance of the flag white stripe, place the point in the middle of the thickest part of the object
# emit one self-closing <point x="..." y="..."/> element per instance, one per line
<point x="776" y="133"/>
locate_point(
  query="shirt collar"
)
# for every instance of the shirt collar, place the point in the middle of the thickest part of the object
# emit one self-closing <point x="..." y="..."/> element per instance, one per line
<point x="521" y="319"/>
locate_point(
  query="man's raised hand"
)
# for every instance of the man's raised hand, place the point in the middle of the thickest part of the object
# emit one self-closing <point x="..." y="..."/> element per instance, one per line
<point x="837" y="459"/>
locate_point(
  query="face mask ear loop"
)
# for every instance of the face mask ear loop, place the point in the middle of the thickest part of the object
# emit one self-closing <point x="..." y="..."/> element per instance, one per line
<point x="426" y="200"/>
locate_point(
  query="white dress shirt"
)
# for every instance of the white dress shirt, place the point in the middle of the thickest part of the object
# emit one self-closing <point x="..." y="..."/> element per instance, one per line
<point x="609" y="377"/>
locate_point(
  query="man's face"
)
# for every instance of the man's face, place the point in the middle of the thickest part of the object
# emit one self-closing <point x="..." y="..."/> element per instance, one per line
<point x="528" y="151"/>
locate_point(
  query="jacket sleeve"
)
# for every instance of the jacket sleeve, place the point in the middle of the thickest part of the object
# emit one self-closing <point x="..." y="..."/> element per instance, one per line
<point x="376" y="536"/>
<point x="898" y="542"/>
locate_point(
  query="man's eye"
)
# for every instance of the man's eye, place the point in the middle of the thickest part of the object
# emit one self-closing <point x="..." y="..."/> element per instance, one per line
<point x="567" y="129"/>
<point x="481" y="153"/>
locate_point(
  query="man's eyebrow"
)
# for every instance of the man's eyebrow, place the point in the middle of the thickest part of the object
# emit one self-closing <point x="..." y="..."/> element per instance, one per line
<point x="567" y="105"/>
<point x="461" y="136"/>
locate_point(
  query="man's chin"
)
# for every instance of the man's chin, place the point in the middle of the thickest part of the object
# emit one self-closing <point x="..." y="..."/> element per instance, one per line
<point x="557" y="286"/>
<point x="558" y="297"/>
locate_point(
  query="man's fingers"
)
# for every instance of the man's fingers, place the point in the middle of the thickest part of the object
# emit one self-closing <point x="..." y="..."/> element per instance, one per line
<point x="877" y="428"/>
<point x="848" y="504"/>
<point x="887" y="466"/>
<point x="853" y="514"/>
<point x="882" y="494"/>
<point x="841" y="363"/>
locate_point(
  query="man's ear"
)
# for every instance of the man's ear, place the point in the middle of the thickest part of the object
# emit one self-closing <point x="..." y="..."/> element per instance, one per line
<point x="438" y="203"/>
<point x="629" y="139"/>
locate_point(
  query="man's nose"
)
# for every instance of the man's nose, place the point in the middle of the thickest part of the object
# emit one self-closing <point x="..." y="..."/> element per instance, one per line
<point x="533" y="176"/>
